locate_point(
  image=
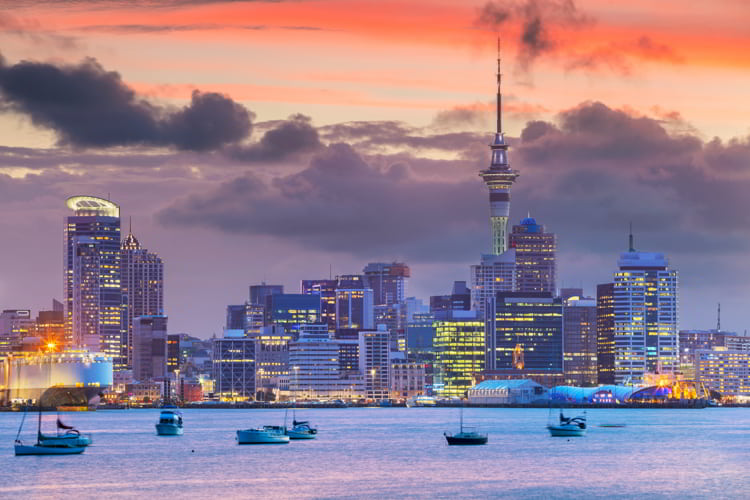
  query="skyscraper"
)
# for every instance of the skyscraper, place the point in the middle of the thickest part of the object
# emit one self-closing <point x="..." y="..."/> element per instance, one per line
<point x="258" y="293"/>
<point x="91" y="279"/>
<point x="326" y="289"/>
<point x="536" y="267"/>
<point x="459" y="352"/>
<point x="605" y="333"/>
<point x="499" y="178"/>
<point x="495" y="273"/>
<point x="579" y="341"/>
<point x="142" y="283"/>
<point x="387" y="280"/>
<point x="645" y="307"/>
<point x="149" y="348"/>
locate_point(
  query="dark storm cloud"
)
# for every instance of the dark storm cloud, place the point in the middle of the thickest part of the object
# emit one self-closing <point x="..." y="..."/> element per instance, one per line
<point x="372" y="136"/>
<point x="586" y="176"/>
<point x="88" y="106"/>
<point x="340" y="202"/>
<point x="534" y="18"/>
<point x="288" y="138"/>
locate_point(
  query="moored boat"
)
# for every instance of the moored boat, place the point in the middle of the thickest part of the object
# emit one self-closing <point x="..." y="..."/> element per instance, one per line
<point x="466" y="435"/>
<point x="301" y="429"/>
<point x="70" y="443"/>
<point x="269" y="434"/>
<point x="417" y="401"/>
<point x="568" y="427"/>
<point x="170" y="423"/>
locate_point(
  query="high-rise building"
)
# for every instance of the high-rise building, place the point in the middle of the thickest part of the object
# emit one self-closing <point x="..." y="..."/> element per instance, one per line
<point x="525" y="334"/>
<point x="173" y="353"/>
<point x="272" y="355"/>
<point x="314" y="365"/>
<point x="142" y="284"/>
<point x="15" y="325"/>
<point x="692" y="340"/>
<point x="375" y="363"/>
<point x="536" y="249"/>
<point x="459" y="353"/>
<point x="326" y="290"/>
<point x="579" y="341"/>
<point x="458" y="300"/>
<point x="258" y="293"/>
<point x="354" y="309"/>
<point x="92" y="295"/>
<point x="233" y="368"/>
<point x="255" y="318"/>
<point x="50" y="327"/>
<point x="149" y="348"/>
<point x="387" y="280"/>
<point x="645" y="303"/>
<point x="236" y="314"/>
<point x="605" y="333"/>
<point x="499" y="178"/>
<point x="495" y="273"/>
<point x="290" y="310"/>
<point x="350" y="281"/>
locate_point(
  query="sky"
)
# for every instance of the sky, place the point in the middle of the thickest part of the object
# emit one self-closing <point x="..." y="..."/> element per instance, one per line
<point x="277" y="141"/>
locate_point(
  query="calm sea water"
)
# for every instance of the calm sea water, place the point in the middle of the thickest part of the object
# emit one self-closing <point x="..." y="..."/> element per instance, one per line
<point x="390" y="453"/>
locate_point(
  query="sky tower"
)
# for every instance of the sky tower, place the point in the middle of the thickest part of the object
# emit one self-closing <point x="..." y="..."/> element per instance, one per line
<point x="499" y="177"/>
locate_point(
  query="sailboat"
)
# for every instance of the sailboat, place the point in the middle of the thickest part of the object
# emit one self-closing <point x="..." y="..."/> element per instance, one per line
<point x="568" y="427"/>
<point x="301" y="429"/>
<point x="465" y="436"/>
<point x="66" y="444"/>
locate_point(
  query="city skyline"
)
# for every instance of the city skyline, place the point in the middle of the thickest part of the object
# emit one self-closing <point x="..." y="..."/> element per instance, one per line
<point x="252" y="201"/>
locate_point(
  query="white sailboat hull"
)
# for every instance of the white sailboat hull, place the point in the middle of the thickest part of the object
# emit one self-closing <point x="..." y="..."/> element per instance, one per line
<point x="566" y="430"/>
<point x="261" y="436"/>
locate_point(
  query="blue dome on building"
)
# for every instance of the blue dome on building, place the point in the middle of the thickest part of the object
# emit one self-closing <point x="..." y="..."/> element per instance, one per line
<point x="528" y="221"/>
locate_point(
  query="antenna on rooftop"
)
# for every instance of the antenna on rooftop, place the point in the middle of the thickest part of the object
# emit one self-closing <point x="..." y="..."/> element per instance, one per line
<point x="718" y="318"/>
<point x="499" y="92"/>
<point x="630" y="239"/>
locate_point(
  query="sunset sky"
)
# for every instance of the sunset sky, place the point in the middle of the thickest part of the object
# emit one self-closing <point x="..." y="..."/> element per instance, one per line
<point x="353" y="131"/>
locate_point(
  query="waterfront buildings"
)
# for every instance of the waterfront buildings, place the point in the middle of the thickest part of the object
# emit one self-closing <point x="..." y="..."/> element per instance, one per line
<point x="645" y="317"/>
<point x="459" y="349"/>
<point x="233" y="368"/>
<point x="314" y="365"/>
<point x="723" y="370"/>
<point x="525" y="334"/>
<point x="507" y="392"/>
<point x="536" y="262"/>
<point x="408" y="379"/>
<point x="579" y="341"/>
<point x="387" y="280"/>
<point x="142" y="286"/>
<point x="374" y="363"/>
<point x="91" y="277"/>
<point x="150" y="348"/>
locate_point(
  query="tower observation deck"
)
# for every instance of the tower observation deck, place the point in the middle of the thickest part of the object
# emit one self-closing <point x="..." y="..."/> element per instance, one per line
<point x="499" y="178"/>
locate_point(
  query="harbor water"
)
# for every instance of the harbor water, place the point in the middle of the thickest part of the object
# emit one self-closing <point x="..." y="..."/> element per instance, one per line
<point x="389" y="453"/>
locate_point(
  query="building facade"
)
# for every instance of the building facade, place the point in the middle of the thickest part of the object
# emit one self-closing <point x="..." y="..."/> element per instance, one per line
<point x="726" y="371"/>
<point x="91" y="278"/>
<point x="374" y="363"/>
<point x="645" y="317"/>
<point x="387" y="280"/>
<point x="142" y="285"/>
<point x="354" y="309"/>
<point x="233" y="368"/>
<point x="326" y="290"/>
<point x="525" y="333"/>
<point x="495" y="273"/>
<point x="579" y="341"/>
<point x="605" y="333"/>
<point x="150" y="348"/>
<point x="536" y="261"/>
<point x="459" y="349"/>
<point x="291" y="310"/>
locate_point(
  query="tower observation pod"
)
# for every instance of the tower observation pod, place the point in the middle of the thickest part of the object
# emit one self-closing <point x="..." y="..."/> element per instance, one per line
<point x="499" y="177"/>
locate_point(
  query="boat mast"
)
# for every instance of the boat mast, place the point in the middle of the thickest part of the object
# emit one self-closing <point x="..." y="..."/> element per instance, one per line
<point x="39" y="424"/>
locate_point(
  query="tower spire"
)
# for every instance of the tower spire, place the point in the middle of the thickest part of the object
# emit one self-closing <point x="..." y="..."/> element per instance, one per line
<point x="499" y="92"/>
<point x="718" y="318"/>
<point x="630" y="239"/>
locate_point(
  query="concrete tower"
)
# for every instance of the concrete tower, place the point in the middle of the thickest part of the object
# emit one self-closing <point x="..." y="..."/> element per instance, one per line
<point x="499" y="178"/>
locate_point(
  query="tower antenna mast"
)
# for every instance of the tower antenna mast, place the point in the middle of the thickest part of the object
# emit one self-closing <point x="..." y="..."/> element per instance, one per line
<point x="499" y="91"/>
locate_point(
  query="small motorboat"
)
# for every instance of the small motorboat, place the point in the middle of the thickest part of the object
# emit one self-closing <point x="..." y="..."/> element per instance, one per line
<point x="417" y="401"/>
<point x="301" y="430"/>
<point x="466" y="435"/>
<point x="568" y="427"/>
<point x="170" y="423"/>
<point x="268" y="434"/>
